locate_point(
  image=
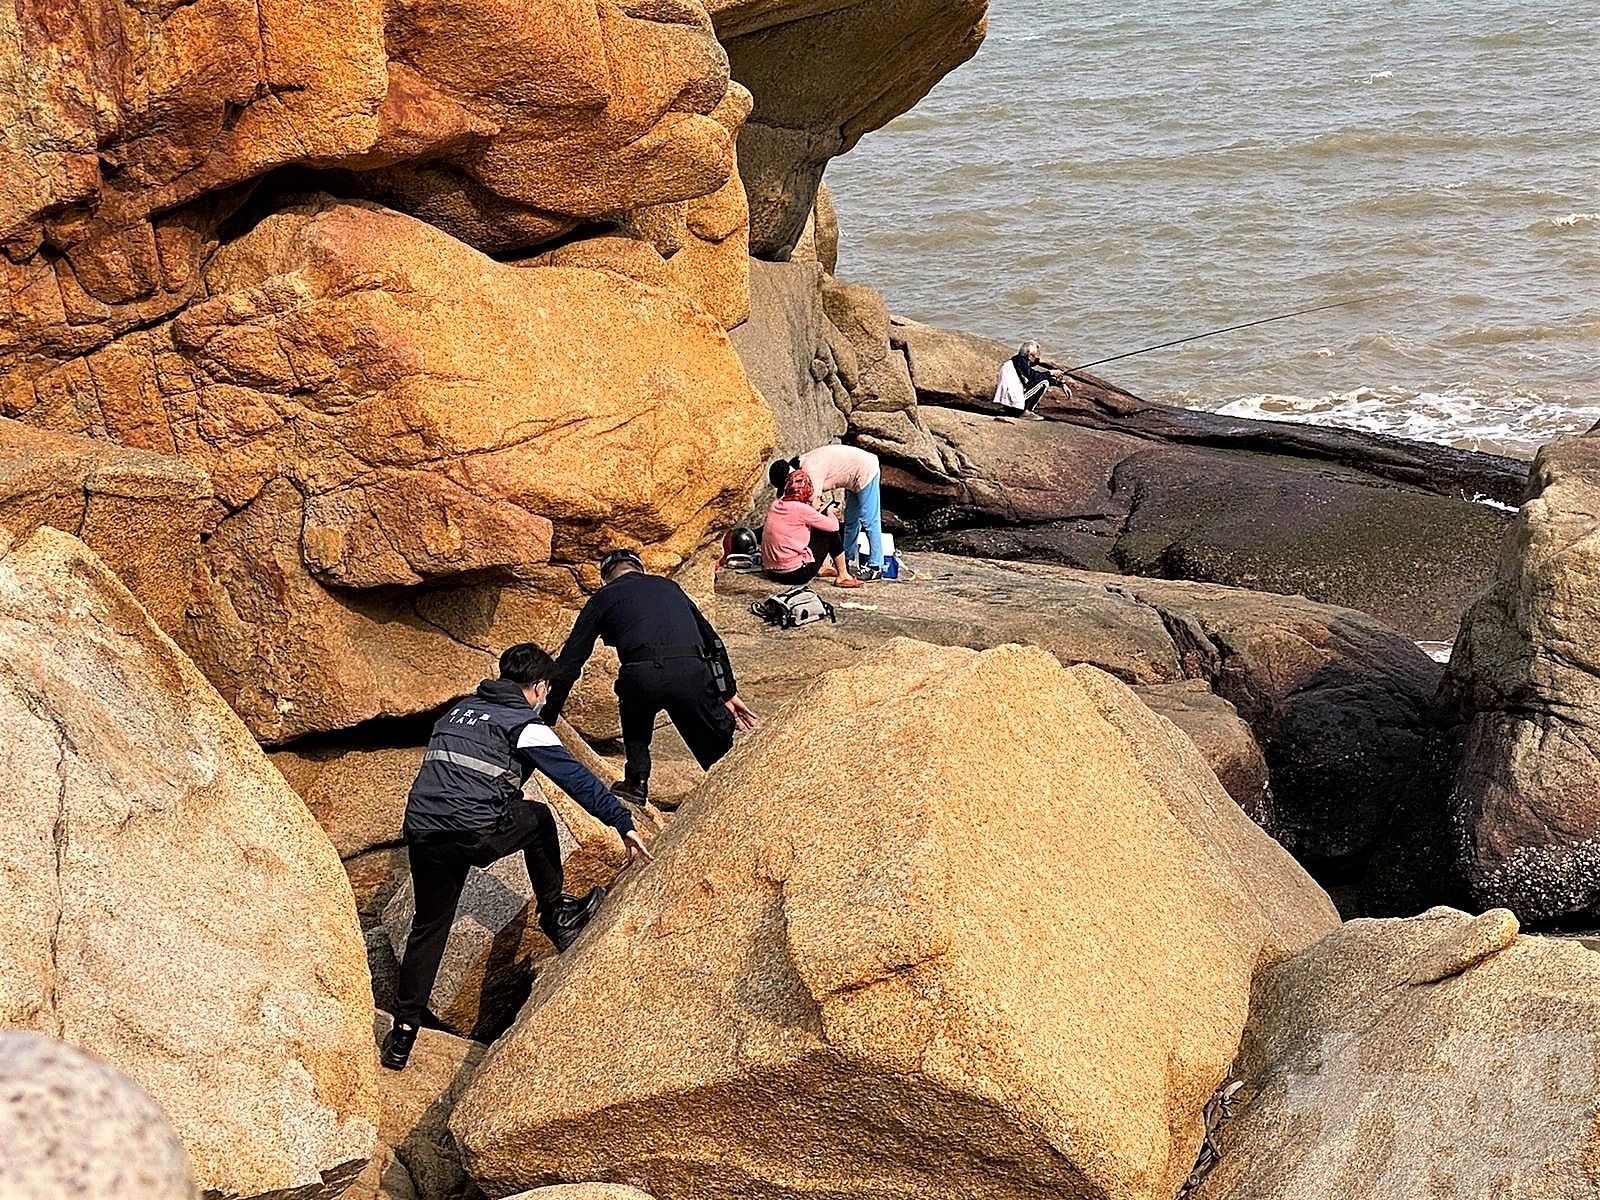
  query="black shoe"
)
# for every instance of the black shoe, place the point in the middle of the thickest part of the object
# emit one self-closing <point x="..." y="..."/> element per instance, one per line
<point x="634" y="791"/>
<point x="397" y="1046"/>
<point x="563" y="923"/>
<point x="869" y="574"/>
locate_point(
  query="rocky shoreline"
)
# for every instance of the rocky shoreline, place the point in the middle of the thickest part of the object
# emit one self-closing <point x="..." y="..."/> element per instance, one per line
<point x="1134" y="849"/>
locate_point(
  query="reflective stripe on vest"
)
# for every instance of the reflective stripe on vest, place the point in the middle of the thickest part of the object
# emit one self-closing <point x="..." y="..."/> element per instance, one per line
<point x="482" y="766"/>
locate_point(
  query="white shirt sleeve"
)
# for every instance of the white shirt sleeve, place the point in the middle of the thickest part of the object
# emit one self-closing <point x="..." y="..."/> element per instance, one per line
<point x="1009" y="389"/>
<point x="537" y="735"/>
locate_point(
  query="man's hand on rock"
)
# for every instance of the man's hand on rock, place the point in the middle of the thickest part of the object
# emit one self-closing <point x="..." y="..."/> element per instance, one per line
<point x="637" y="850"/>
<point x="743" y="718"/>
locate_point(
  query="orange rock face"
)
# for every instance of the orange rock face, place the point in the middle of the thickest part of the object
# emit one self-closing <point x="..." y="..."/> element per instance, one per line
<point x="131" y="134"/>
<point x="825" y="72"/>
<point x="144" y="514"/>
<point x="381" y="407"/>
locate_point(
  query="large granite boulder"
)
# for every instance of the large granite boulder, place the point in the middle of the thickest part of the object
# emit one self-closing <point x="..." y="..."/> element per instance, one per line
<point x="169" y="904"/>
<point x="1014" y="956"/>
<point x="74" y="1127"/>
<point x="861" y="65"/>
<point x="126" y="126"/>
<point x="1319" y="720"/>
<point x="1101" y="499"/>
<point x="582" y="109"/>
<point x="143" y="514"/>
<point x="1524" y="687"/>
<point x="1439" y="1056"/>
<point x="387" y="414"/>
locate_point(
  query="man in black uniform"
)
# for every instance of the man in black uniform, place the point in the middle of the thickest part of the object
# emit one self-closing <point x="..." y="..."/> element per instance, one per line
<point x="672" y="661"/>
<point x="467" y="809"/>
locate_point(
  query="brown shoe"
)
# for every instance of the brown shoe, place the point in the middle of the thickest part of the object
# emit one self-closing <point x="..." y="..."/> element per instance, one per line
<point x="847" y="581"/>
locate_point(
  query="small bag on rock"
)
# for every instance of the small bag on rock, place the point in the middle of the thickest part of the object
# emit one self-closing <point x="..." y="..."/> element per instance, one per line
<point x="794" y="608"/>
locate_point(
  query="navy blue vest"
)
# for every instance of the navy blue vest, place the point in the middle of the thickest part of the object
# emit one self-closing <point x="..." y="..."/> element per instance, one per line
<point x="470" y="771"/>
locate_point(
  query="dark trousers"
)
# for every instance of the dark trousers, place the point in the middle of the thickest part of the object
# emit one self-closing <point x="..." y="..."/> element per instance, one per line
<point x="824" y="546"/>
<point x="684" y="690"/>
<point x="1031" y="398"/>
<point x="439" y="864"/>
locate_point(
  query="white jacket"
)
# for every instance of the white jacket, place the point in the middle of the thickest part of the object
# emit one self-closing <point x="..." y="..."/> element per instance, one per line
<point x="1009" y="390"/>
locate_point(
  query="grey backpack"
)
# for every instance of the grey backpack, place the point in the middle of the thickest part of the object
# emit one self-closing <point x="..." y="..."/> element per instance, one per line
<point x="794" y="608"/>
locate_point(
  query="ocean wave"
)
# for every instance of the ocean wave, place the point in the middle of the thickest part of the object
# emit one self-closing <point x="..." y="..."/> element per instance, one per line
<point x="1400" y="135"/>
<point x="1512" y="421"/>
<point x="1562" y="224"/>
<point x="1579" y="327"/>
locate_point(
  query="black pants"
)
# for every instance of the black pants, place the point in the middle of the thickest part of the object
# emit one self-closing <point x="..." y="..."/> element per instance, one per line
<point x="1031" y="398"/>
<point x="824" y="546"/>
<point x="439" y="863"/>
<point x="684" y="690"/>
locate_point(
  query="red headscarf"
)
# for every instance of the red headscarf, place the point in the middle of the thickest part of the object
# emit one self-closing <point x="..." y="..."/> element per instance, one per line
<point x="798" y="487"/>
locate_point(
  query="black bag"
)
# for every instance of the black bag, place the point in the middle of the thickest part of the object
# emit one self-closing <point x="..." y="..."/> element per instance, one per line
<point x="794" y="608"/>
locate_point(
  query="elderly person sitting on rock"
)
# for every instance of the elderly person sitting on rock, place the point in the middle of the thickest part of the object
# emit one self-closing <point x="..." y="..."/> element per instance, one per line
<point x="1023" y="381"/>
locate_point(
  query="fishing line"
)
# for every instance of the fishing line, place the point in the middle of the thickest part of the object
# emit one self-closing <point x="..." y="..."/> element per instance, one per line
<point x="1299" y="312"/>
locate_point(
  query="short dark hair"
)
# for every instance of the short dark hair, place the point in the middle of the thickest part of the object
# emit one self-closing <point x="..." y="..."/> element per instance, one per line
<point x="778" y="473"/>
<point x="615" y="562"/>
<point x="526" y="664"/>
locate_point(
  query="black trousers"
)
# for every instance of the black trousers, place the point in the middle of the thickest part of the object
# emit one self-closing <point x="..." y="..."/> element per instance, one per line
<point x="824" y="546"/>
<point x="684" y="690"/>
<point x="439" y="864"/>
<point x="1031" y="398"/>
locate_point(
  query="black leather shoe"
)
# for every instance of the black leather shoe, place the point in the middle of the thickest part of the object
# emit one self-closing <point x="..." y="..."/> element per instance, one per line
<point x="634" y="791"/>
<point x="563" y="923"/>
<point x="397" y="1046"/>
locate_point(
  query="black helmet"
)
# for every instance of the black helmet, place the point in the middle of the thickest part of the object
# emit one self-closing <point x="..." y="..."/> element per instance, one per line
<point x="613" y="559"/>
<point x="741" y="541"/>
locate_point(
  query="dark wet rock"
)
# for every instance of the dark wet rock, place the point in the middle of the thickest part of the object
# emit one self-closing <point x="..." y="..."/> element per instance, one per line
<point x="1099" y="498"/>
<point x="1342" y="708"/>
<point x="954" y="369"/>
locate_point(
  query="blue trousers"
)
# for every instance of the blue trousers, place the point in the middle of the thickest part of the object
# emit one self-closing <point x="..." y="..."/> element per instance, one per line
<point x="864" y="510"/>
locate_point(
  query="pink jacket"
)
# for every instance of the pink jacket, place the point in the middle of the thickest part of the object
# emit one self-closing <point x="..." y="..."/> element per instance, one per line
<point x="786" y="537"/>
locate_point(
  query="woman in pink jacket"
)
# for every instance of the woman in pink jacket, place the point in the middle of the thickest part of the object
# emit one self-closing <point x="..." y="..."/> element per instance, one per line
<point x="797" y="540"/>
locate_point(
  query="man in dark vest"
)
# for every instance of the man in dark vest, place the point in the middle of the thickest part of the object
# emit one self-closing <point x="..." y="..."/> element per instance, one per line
<point x="467" y="809"/>
<point x="672" y="662"/>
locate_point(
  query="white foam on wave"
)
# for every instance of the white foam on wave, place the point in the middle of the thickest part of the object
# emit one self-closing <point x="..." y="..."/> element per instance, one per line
<point x="1513" y="421"/>
<point x="1570" y="221"/>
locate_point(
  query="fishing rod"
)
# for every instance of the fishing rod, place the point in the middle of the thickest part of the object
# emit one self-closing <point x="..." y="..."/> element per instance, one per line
<point x="1299" y="312"/>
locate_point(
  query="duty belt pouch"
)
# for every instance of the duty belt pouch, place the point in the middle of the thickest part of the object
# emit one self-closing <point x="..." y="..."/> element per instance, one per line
<point x="713" y="656"/>
<point x="794" y="608"/>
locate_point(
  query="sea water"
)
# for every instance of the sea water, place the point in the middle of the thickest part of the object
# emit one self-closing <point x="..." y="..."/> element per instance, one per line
<point x="1105" y="177"/>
